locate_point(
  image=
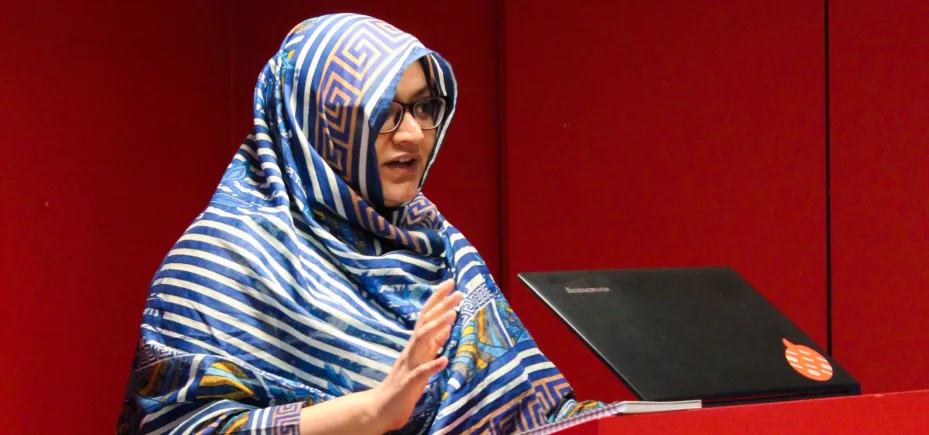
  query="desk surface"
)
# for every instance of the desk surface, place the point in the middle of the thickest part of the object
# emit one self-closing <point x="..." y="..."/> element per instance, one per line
<point x="896" y="414"/>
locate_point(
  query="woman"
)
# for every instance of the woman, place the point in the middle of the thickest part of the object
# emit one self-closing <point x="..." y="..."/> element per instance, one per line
<point x="320" y="292"/>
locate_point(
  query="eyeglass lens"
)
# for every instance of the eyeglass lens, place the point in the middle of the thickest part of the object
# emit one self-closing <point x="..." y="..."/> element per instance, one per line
<point x="428" y="112"/>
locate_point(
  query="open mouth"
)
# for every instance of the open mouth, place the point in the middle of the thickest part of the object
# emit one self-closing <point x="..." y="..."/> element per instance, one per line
<point x="403" y="163"/>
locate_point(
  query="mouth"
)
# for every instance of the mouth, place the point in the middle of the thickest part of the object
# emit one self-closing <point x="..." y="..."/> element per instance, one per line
<point x="404" y="164"/>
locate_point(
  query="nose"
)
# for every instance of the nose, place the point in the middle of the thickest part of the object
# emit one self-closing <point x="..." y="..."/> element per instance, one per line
<point x="408" y="132"/>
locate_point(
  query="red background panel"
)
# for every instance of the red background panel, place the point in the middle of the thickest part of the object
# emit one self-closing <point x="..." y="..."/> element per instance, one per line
<point x="665" y="133"/>
<point x="640" y="134"/>
<point x="115" y="132"/>
<point x="879" y="156"/>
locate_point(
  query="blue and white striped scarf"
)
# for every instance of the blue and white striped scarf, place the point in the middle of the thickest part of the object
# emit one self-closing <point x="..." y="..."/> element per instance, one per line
<point x="292" y="288"/>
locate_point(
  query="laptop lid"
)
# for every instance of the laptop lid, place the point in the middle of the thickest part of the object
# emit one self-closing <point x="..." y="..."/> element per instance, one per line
<point x="690" y="333"/>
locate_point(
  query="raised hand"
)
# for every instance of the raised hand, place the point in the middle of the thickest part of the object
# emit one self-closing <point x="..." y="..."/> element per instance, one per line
<point x="397" y="395"/>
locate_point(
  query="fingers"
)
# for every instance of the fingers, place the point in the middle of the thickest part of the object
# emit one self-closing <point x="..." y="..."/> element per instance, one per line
<point x="427" y="340"/>
<point x="441" y="308"/>
<point x="439" y="338"/>
<point x="425" y="371"/>
<point x="437" y="296"/>
<point x="430" y="329"/>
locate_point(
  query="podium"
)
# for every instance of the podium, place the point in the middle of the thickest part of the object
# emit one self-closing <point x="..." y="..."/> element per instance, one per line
<point x="895" y="413"/>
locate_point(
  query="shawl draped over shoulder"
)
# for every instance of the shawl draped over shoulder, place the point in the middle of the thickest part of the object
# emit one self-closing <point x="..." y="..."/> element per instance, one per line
<point x="296" y="285"/>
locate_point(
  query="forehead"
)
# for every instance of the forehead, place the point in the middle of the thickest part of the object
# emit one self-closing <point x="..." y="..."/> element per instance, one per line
<point x="413" y="81"/>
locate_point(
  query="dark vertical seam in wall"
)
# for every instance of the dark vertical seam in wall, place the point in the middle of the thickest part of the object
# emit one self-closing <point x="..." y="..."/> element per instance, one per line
<point x="231" y="41"/>
<point x="500" y="58"/>
<point x="828" y="191"/>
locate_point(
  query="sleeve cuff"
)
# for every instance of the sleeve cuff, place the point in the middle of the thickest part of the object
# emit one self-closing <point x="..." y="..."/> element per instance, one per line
<point x="276" y="420"/>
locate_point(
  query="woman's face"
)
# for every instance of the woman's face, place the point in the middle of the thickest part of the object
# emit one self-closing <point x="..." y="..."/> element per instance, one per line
<point x="403" y="153"/>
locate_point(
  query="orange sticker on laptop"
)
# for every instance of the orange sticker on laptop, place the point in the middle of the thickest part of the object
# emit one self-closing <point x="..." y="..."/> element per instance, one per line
<point x="807" y="362"/>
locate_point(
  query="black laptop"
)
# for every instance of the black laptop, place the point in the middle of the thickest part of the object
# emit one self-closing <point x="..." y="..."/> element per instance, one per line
<point x="691" y="333"/>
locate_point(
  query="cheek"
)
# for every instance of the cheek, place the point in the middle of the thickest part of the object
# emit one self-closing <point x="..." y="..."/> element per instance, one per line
<point x="429" y="142"/>
<point x="380" y="146"/>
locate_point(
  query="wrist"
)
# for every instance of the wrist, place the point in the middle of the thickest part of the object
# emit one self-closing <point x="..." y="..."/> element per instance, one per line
<point x="374" y="410"/>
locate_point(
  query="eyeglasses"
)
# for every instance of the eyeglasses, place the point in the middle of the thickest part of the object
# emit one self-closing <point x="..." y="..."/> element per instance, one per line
<point x="428" y="112"/>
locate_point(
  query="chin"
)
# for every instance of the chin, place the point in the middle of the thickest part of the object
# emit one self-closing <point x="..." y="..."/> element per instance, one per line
<point x="399" y="193"/>
<point x="395" y="200"/>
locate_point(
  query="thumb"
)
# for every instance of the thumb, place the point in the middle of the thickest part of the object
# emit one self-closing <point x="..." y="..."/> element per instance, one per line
<point x="425" y="371"/>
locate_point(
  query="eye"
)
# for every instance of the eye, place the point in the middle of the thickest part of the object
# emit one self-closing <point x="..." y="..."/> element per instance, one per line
<point x="425" y="108"/>
<point x="394" y="113"/>
<point x="430" y="109"/>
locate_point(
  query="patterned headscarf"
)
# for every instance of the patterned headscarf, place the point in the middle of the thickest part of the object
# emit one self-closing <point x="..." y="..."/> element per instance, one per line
<point x="296" y="285"/>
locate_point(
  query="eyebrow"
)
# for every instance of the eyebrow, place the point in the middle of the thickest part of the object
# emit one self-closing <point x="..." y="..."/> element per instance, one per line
<point x="425" y="90"/>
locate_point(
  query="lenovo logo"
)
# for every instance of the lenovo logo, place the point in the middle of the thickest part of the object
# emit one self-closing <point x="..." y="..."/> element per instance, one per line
<point x="587" y="289"/>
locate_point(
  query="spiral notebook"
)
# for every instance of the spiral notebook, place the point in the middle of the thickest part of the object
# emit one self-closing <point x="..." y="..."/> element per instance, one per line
<point x="629" y="407"/>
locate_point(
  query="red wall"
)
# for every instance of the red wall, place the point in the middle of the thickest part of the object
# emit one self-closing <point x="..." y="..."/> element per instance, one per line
<point x="665" y="133"/>
<point x="117" y="125"/>
<point x="640" y="134"/>
<point x="879" y="83"/>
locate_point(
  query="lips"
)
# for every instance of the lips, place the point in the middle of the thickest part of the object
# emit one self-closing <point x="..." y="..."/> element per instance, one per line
<point x="404" y="164"/>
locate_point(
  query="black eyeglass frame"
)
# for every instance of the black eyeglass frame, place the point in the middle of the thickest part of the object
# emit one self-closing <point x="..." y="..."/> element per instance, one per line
<point x="409" y="108"/>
